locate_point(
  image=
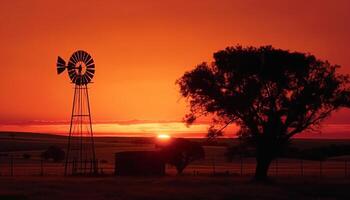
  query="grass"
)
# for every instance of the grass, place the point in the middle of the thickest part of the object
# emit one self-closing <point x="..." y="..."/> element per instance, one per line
<point x="171" y="187"/>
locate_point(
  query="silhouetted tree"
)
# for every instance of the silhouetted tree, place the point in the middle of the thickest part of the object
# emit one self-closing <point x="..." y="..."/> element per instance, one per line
<point x="53" y="152"/>
<point x="181" y="152"/>
<point x="272" y="94"/>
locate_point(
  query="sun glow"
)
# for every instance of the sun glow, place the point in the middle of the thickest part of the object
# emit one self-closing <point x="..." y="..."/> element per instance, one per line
<point x="163" y="136"/>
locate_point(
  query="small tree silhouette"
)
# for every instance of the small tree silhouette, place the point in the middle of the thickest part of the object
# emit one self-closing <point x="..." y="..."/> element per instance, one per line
<point x="181" y="152"/>
<point x="272" y="94"/>
<point x="53" y="152"/>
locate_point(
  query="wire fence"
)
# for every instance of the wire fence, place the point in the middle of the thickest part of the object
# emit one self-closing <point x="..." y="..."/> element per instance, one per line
<point x="280" y="167"/>
<point x="14" y="166"/>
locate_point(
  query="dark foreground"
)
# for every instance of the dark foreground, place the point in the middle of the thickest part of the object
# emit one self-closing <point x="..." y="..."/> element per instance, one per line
<point x="171" y="187"/>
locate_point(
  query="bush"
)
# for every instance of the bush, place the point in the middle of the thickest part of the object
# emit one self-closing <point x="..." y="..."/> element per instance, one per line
<point x="181" y="152"/>
<point x="53" y="153"/>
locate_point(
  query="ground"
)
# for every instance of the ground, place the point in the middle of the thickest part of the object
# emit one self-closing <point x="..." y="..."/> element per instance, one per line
<point x="171" y="187"/>
<point x="291" y="178"/>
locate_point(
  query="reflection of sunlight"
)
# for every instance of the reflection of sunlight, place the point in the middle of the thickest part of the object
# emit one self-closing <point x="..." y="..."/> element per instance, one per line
<point x="163" y="136"/>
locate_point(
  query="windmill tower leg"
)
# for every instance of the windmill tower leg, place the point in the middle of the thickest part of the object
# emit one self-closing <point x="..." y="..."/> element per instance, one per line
<point x="81" y="147"/>
<point x="70" y="133"/>
<point x="94" y="161"/>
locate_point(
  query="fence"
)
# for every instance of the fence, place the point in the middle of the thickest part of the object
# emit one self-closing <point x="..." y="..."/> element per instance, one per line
<point x="279" y="167"/>
<point x="14" y="166"/>
<point x="17" y="166"/>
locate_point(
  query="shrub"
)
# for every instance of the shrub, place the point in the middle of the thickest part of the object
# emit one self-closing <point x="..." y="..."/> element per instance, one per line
<point x="53" y="153"/>
<point x="181" y="152"/>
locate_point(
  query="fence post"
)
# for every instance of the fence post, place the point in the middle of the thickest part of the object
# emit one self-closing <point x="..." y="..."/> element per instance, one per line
<point x="241" y="166"/>
<point x="41" y="167"/>
<point x="276" y="166"/>
<point x="213" y="162"/>
<point x="11" y="165"/>
<point x="85" y="163"/>
<point x="302" y="167"/>
<point x="346" y="168"/>
<point x="74" y="165"/>
<point x="91" y="166"/>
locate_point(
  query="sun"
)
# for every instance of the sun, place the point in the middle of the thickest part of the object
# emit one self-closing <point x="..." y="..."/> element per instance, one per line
<point x="163" y="136"/>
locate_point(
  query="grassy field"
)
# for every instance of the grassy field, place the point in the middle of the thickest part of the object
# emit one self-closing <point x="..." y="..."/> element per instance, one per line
<point x="171" y="187"/>
<point x="231" y="179"/>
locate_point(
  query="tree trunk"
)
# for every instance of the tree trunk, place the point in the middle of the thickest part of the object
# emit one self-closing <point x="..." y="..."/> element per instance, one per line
<point x="262" y="167"/>
<point x="265" y="153"/>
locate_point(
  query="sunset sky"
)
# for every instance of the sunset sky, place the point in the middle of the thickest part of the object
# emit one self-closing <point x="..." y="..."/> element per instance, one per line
<point x="140" y="48"/>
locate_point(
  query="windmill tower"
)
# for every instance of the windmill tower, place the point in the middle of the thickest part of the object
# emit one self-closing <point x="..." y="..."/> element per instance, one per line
<point x="80" y="155"/>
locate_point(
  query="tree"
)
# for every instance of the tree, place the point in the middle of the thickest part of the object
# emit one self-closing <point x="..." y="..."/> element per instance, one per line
<point x="272" y="94"/>
<point x="53" y="152"/>
<point x="181" y="152"/>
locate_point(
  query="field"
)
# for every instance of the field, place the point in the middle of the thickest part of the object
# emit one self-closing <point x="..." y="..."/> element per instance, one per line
<point x="170" y="187"/>
<point x="211" y="178"/>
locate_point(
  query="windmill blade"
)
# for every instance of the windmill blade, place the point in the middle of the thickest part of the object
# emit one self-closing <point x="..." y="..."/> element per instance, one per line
<point x="71" y="64"/>
<point x="90" y="72"/>
<point x="81" y="56"/>
<point x="79" y="53"/>
<point x="72" y="58"/>
<point x="75" y="79"/>
<point x="61" y="65"/>
<point x="87" y="58"/>
<point x="91" y="65"/>
<point x="85" y="79"/>
<point x="90" y="62"/>
<point x="72" y="76"/>
<point x="75" y="58"/>
<point x="89" y="76"/>
<point x="79" y="80"/>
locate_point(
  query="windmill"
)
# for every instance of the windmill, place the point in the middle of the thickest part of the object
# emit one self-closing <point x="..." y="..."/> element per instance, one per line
<point x="80" y="155"/>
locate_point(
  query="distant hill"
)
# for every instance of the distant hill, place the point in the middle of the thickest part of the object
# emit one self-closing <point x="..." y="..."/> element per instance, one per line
<point x="9" y="134"/>
<point x="24" y="141"/>
<point x="19" y="141"/>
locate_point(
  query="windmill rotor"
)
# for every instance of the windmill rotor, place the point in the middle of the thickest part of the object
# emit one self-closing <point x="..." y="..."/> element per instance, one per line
<point x="80" y="67"/>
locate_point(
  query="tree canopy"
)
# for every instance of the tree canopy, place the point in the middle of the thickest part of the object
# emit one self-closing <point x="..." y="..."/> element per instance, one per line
<point x="272" y="94"/>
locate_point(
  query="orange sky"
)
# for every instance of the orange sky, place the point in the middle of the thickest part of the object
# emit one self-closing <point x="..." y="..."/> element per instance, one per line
<point x="141" y="47"/>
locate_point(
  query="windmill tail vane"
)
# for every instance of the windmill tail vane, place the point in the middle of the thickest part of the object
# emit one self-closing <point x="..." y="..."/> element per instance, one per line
<point x="61" y="65"/>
